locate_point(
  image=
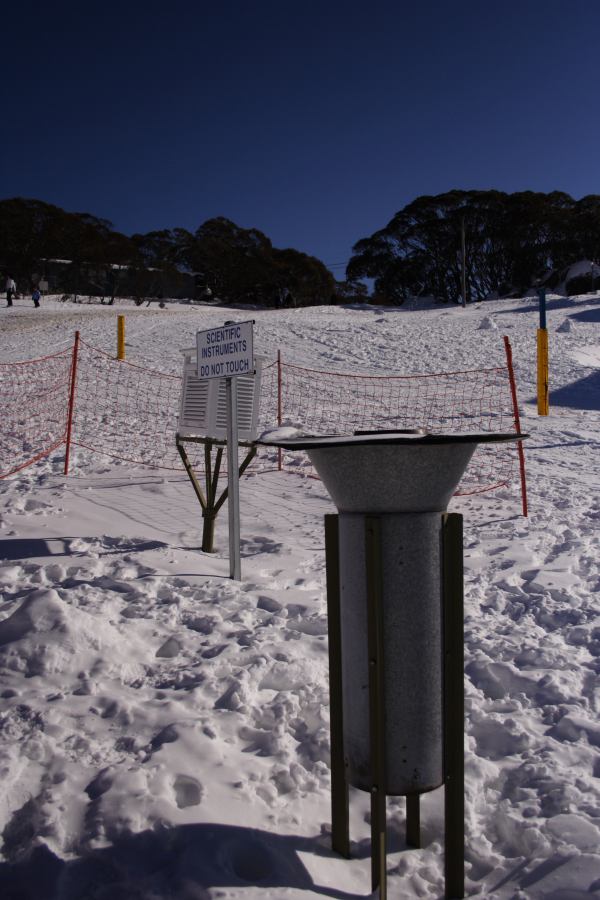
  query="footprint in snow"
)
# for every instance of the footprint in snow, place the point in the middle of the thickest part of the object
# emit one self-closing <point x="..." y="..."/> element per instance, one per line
<point x="212" y="652"/>
<point x="188" y="791"/>
<point x="169" y="649"/>
<point x="100" y="784"/>
<point x="202" y="624"/>
<point x="257" y="545"/>
<point x="268" y="604"/>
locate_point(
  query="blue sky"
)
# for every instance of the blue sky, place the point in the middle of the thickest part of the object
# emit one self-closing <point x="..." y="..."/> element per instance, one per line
<point x="313" y="121"/>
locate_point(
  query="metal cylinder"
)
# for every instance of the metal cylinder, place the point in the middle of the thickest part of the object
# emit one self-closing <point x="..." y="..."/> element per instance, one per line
<point x="412" y="627"/>
<point x="408" y="489"/>
<point x="393" y="695"/>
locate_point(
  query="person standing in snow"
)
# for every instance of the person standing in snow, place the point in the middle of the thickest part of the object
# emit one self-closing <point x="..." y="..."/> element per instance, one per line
<point x="36" y="298"/>
<point x="11" y="289"/>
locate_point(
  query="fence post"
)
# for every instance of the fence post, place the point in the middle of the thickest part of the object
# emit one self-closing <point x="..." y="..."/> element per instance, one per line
<point x="520" y="451"/>
<point x="71" y="401"/>
<point x="542" y="357"/>
<point x="120" y="337"/>
<point x="279" y="408"/>
<point x="542" y="372"/>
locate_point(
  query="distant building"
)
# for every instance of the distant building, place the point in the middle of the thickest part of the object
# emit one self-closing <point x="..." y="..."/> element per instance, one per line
<point x="112" y="280"/>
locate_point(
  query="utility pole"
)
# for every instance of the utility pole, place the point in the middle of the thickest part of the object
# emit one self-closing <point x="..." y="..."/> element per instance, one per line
<point x="464" y="263"/>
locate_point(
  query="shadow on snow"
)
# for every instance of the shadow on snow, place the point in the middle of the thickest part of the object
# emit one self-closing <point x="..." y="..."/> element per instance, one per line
<point x="28" y="548"/>
<point x="180" y="863"/>
<point x="581" y="394"/>
<point x="587" y="315"/>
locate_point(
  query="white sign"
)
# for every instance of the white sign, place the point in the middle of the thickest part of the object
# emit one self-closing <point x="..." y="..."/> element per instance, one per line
<point x="226" y="352"/>
<point x="43" y="285"/>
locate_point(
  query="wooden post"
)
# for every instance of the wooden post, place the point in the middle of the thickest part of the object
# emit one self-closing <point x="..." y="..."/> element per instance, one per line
<point x="71" y="407"/>
<point x="413" y="820"/>
<point x="340" y="833"/>
<point x="208" y="513"/>
<point x="120" y="337"/>
<point x="454" y="704"/>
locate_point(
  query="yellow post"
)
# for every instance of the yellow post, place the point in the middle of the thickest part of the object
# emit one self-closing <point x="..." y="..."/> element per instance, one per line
<point x="120" y="337"/>
<point x="542" y="371"/>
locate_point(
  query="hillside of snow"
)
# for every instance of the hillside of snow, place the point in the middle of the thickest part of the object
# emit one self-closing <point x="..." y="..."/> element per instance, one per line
<point x="164" y="730"/>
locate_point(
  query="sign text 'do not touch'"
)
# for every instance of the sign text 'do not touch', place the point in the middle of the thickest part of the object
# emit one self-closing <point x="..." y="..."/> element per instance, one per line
<point x="226" y="351"/>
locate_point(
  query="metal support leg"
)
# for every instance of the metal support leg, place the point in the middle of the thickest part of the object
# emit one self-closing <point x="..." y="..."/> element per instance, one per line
<point x="340" y="829"/>
<point x="413" y="820"/>
<point x="454" y="705"/>
<point x="376" y="704"/>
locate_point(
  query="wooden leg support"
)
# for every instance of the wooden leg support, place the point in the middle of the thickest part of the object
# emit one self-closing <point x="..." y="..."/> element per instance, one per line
<point x="454" y="705"/>
<point x="340" y="832"/>
<point x="413" y="821"/>
<point x="209" y="503"/>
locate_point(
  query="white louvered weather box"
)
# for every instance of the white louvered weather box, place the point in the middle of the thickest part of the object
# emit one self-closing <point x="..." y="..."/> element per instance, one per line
<point x="203" y="409"/>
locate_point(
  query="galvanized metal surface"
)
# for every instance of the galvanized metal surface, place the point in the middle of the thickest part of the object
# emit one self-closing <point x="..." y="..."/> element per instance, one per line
<point x="412" y="636"/>
<point x="393" y="478"/>
<point x="377" y="705"/>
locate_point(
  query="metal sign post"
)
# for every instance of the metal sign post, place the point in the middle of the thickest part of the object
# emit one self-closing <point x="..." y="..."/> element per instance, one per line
<point x="228" y="352"/>
<point x="233" y="481"/>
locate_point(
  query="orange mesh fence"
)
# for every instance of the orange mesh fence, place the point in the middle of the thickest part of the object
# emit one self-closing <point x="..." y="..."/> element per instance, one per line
<point x="130" y="413"/>
<point x="126" y="411"/>
<point x="332" y="403"/>
<point x="34" y="401"/>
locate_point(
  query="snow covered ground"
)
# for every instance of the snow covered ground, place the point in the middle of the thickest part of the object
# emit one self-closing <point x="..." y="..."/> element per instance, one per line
<point x="164" y="730"/>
